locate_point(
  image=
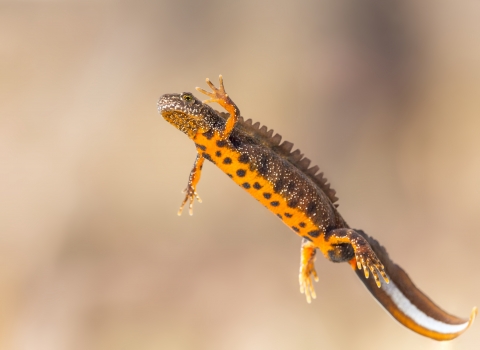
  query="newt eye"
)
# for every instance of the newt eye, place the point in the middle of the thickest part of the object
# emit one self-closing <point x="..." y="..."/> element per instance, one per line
<point x="187" y="97"/>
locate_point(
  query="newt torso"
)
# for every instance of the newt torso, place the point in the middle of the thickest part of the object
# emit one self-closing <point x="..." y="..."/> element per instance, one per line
<point x="265" y="172"/>
<point x="276" y="177"/>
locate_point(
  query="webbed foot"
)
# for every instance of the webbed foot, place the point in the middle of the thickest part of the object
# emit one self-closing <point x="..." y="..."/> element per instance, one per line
<point x="307" y="270"/>
<point x="217" y="95"/>
<point x="367" y="259"/>
<point x="305" y="279"/>
<point x="189" y="197"/>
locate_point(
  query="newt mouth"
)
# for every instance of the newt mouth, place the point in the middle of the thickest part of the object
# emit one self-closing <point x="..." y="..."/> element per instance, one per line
<point x="166" y="102"/>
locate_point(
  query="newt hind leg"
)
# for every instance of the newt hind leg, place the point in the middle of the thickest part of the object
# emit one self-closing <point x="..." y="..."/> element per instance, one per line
<point x="307" y="270"/>
<point x="365" y="257"/>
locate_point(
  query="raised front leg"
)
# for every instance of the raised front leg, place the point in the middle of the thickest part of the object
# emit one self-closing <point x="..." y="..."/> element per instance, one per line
<point x="307" y="269"/>
<point x="364" y="255"/>
<point x="222" y="98"/>
<point x="190" y="191"/>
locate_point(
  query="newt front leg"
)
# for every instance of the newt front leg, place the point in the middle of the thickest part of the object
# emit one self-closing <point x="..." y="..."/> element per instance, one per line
<point x="190" y="191"/>
<point x="222" y="98"/>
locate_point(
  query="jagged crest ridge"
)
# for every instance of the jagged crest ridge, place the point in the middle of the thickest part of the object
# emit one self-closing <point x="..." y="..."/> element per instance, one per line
<point x="284" y="149"/>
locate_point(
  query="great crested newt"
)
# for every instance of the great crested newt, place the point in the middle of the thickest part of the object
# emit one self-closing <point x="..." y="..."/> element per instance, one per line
<point x="300" y="196"/>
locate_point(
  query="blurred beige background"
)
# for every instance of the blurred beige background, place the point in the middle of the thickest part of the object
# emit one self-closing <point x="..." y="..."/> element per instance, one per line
<point x="382" y="95"/>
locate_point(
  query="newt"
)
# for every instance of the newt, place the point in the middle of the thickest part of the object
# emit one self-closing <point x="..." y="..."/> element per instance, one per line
<point x="283" y="181"/>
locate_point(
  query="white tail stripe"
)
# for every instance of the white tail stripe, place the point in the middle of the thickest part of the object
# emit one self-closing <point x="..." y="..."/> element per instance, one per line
<point x="419" y="316"/>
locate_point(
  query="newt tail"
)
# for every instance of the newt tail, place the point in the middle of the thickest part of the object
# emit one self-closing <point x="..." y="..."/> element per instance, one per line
<point x="284" y="182"/>
<point x="408" y="305"/>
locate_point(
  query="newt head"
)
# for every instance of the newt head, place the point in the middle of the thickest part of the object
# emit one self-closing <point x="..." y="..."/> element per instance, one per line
<point x="187" y="113"/>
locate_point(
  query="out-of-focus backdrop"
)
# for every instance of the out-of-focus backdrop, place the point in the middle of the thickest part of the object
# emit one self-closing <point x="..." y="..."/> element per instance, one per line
<point x="382" y="95"/>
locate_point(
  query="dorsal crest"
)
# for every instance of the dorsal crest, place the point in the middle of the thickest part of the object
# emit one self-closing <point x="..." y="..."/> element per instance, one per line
<point x="284" y="149"/>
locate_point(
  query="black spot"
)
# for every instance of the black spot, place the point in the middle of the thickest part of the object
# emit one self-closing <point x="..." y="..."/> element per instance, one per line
<point x="202" y="147"/>
<point x="221" y="143"/>
<point x="314" y="233"/>
<point x="307" y="238"/>
<point x="295" y="228"/>
<point x="263" y="165"/>
<point x="244" y="158"/>
<point x="207" y="156"/>
<point x="288" y="215"/>
<point x="293" y="203"/>
<point x="241" y="172"/>
<point x="280" y="216"/>
<point x="274" y="204"/>
<point x="218" y="154"/>
<point x="230" y="175"/>
<point x="246" y="185"/>
<point x="267" y="195"/>
<point x="291" y="186"/>
<point x="257" y="186"/>
<point x="208" y="134"/>
<point x="278" y="186"/>
<point x="227" y="160"/>
<point x="302" y="224"/>
<point x="311" y="208"/>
